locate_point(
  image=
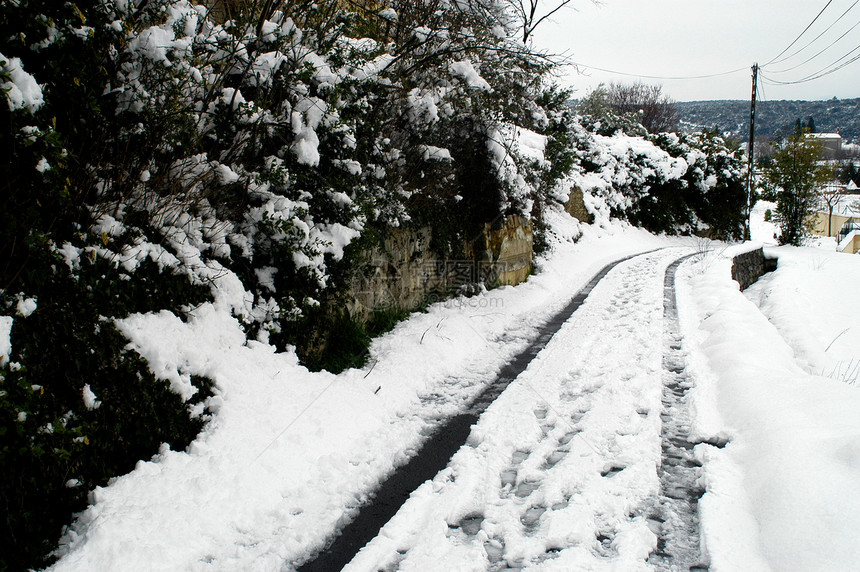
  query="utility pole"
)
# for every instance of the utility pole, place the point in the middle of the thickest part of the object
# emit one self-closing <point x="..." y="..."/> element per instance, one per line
<point x="751" y="151"/>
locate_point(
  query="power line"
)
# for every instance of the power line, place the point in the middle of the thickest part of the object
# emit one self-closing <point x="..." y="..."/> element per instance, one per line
<point x="830" y="45"/>
<point x="827" y="70"/>
<point x="801" y="34"/>
<point x="827" y="29"/>
<point x="686" y="77"/>
<point x="816" y="75"/>
<point x="830" y="68"/>
<point x="760" y="91"/>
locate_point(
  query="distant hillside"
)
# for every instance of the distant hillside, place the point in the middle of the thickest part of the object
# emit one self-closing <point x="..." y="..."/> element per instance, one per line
<point x="772" y="117"/>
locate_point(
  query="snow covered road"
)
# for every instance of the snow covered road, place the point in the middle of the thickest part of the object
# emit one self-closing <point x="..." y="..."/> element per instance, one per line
<point x="562" y="471"/>
<point x="571" y="468"/>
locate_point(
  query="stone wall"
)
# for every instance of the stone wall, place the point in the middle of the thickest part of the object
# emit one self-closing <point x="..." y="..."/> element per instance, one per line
<point x="403" y="273"/>
<point x="399" y="274"/>
<point x="506" y="252"/>
<point x="575" y="207"/>
<point x="748" y="267"/>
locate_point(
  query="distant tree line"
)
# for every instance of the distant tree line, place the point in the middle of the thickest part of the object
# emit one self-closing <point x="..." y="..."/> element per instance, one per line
<point x="774" y="119"/>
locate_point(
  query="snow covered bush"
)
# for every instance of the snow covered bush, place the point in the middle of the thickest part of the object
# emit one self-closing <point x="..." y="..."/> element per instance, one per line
<point x="673" y="183"/>
<point x="708" y="199"/>
<point x="19" y="87"/>
<point x="77" y="408"/>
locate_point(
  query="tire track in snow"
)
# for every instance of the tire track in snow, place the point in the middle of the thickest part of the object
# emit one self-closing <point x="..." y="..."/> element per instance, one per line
<point x="435" y="453"/>
<point x="561" y="472"/>
<point x="675" y="516"/>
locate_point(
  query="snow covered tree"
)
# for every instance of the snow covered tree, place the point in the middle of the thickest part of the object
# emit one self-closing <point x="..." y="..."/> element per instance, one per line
<point x="795" y="177"/>
<point x="597" y="115"/>
<point x="595" y="103"/>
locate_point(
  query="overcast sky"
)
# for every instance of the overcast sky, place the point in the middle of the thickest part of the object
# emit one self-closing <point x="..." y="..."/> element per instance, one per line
<point x="672" y="38"/>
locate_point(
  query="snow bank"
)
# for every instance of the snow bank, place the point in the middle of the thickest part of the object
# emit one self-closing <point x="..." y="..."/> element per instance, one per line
<point x="808" y="300"/>
<point x="740" y="249"/>
<point x="782" y="495"/>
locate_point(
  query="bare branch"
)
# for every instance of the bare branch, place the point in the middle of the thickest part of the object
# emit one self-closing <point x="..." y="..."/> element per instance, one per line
<point x="646" y="104"/>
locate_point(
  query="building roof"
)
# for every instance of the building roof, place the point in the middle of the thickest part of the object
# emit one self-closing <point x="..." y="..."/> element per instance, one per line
<point x="824" y="135"/>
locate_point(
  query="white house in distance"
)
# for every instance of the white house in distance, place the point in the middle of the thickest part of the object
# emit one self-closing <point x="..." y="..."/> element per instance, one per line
<point x="831" y="144"/>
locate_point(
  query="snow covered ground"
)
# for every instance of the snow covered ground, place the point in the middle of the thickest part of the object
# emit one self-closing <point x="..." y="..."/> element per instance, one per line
<point x="762" y="231"/>
<point x="562" y="470"/>
<point x="783" y="494"/>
